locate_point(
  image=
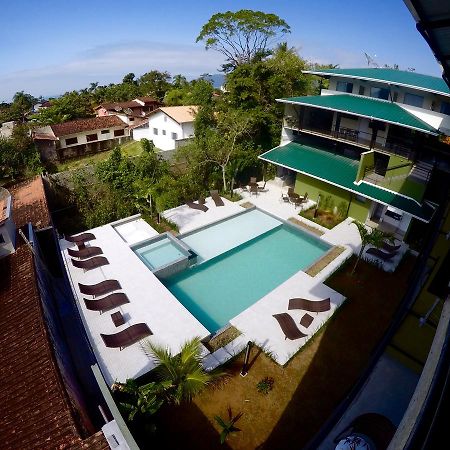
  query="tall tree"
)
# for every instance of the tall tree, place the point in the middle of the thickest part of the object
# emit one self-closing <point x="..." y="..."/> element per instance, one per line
<point x="155" y="83"/>
<point x="242" y="36"/>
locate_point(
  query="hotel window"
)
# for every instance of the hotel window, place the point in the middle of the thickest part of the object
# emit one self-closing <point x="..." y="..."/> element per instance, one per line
<point x="413" y="100"/>
<point x="119" y="133"/>
<point x="164" y="132"/>
<point x="381" y="93"/>
<point x="344" y="86"/>
<point x="362" y="90"/>
<point x="71" y="141"/>
<point x="155" y="131"/>
<point x="445" y="108"/>
<point x="91" y="137"/>
<point x="174" y="136"/>
<point x="104" y="132"/>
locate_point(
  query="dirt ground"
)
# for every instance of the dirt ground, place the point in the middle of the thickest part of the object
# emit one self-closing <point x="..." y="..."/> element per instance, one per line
<point x="307" y="389"/>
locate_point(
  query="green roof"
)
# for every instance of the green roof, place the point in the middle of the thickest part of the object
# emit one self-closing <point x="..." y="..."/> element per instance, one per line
<point x="390" y="76"/>
<point x="340" y="171"/>
<point x="366" y="107"/>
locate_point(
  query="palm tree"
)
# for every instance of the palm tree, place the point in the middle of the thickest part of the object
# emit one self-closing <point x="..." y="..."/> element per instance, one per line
<point x="370" y="236"/>
<point x="228" y="426"/>
<point x="184" y="372"/>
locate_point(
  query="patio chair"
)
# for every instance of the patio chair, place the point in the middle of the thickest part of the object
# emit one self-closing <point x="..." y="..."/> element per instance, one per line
<point x="100" y="288"/>
<point x="262" y="188"/>
<point x="109" y="302"/>
<point x="288" y="326"/>
<point x="304" y="198"/>
<point x="252" y="180"/>
<point x="216" y="197"/>
<point x="284" y="198"/>
<point x="127" y="337"/>
<point x="390" y="248"/>
<point x="254" y="189"/>
<point x="81" y="238"/>
<point x="198" y="206"/>
<point x="310" y="305"/>
<point x="380" y="254"/>
<point x="89" y="264"/>
<point x="87" y="252"/>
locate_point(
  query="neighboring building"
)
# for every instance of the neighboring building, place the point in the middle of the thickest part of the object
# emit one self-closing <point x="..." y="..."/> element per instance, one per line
<point x="44" y="105"/>
<point x="7" y="226"/>
<point x="168" y="127"/>
<point x="6" y="129"/>
<point x="79" y="137"/>
<point x="368" y="143"/>
<point x="130" y="112"/>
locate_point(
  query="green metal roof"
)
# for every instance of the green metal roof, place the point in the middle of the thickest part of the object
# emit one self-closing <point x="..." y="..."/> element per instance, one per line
<point x="390" y="76"/>
<point x="340" y="171"/>
<point x="368" y="107"/>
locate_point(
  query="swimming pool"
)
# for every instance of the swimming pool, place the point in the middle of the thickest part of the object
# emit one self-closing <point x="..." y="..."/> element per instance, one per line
<point x="222" y="287"/>
<point x="157" y="254"/>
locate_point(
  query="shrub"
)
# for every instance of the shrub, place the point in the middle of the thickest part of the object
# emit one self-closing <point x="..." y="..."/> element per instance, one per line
<point x="265" y="385"/>
<point x="342" y="209"/>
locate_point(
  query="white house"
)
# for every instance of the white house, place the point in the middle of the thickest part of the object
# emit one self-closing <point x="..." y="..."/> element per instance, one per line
<point x="7" y="226"/>
<point x="168" y="127"/>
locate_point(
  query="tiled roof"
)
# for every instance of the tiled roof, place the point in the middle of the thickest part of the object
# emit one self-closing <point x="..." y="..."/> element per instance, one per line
<point x="390" y="76"/>
<point x="180" y="114"/>
<point x="148" y="100"/>
<point x="117" y="106"/>
<point x="78" y="126"/>
<point x="340" y="171"/>
<point x="370" y="108"/>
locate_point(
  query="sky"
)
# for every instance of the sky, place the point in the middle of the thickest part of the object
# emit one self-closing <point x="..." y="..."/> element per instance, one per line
<point x="48" y="47"/>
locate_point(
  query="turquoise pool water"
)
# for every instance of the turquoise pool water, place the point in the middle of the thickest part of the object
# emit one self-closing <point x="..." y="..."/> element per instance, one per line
<point x="158" y="254"/>
<point x="222" y="287"/>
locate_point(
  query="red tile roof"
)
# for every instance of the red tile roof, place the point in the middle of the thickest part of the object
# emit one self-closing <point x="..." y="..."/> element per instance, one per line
<point x="117" y="106"/>
<point x="35" y="412"/>
<point x="78" y="126"/>
<point x="149" y="100"/>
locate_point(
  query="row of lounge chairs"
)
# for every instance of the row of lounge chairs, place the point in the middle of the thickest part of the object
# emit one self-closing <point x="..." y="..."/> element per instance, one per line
<point x="287" y="323"/>
<point x="129" y="335"/>
<point x="200" y="205"/>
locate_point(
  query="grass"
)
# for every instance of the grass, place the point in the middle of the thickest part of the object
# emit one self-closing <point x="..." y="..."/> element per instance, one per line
<point x="307" y="389"/>
<point x="222" y="339"/>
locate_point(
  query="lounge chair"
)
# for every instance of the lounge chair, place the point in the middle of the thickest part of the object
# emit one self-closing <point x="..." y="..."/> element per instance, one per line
<point x="199" y="206"/>
<point x="100" y="288"/>
<point x="87" y="252"/>
<point x="81" y="238"/>
<point x="254" y="189"/>
<point x="127" y="337"/>
<point x="390" y="248"/>
<point x="288" y="326"/>
<point x="310" y="305"/>
<point x="216" y="197"/>
<point x="109" y="302"/>
<point x="92" y="263"/>
<point x="380" y="254"/>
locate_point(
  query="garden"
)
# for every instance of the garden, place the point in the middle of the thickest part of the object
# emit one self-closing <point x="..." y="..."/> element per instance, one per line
<point x="327" y="213"/>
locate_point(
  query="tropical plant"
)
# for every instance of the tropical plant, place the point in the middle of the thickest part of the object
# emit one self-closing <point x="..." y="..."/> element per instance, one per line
<point x="183" y="374"/>
<point x="228" y="426"/>
<point x="265" y="385"/>
<point x="369" y="236"/>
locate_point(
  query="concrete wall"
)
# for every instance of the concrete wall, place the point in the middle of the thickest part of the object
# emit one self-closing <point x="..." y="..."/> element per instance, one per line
<point x="8" y="233"/>
<point x="367" y="160"/>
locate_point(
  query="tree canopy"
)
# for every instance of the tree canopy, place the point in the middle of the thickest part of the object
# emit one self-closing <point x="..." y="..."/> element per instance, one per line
<point x="242" y="36"/>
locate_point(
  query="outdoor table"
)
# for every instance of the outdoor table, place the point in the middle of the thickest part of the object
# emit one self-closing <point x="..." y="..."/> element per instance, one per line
<point x="117" y="318"/>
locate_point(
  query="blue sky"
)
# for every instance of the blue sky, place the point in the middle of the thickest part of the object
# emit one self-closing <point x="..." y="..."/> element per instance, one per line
<point x="49" y="47"/>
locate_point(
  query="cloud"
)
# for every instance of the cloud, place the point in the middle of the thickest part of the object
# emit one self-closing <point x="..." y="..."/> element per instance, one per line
<point x="108" y="64"/>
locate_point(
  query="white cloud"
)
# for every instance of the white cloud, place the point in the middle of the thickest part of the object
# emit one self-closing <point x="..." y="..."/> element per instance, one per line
<point x="108" y="64"/>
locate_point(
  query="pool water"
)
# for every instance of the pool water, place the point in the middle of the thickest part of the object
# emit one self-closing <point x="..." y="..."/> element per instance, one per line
<point x="219" y="289"/>
<point x="158" y="254"/>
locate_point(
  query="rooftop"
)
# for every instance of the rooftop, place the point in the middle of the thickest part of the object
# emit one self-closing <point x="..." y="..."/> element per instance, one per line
<point x="403" y="78"/>
<point x="341" y="171"/>
<point x="367" y="107"/>
<point x="180" y="114"/>
<point x="94" y="123"/>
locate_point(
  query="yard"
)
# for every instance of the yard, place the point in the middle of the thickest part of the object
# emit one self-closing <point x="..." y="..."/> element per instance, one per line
<point x="307" y="389"/>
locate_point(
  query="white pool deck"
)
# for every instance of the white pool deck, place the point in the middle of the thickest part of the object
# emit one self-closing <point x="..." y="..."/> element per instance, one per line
<point x="170" y="322"/>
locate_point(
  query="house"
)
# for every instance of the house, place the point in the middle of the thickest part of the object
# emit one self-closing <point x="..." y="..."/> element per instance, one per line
<point x="7" y="226"/>
<point x="130" y="112"/>
<point x="368" y="144"/>
<point x="6" y="129"/>
<point x="168" y="127"/>
<point x="79" y="137"/>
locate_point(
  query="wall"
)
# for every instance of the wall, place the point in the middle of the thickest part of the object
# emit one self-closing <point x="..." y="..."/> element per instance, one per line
<point x="367" y="160"/>
<point x="162" y="122"/>
<point x="8" y="232"/>
<point x="82" y="137"/>
<point x="358" y="210"/>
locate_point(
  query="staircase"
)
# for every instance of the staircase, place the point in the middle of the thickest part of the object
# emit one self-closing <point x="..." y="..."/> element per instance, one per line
<point x="420" y="172"/>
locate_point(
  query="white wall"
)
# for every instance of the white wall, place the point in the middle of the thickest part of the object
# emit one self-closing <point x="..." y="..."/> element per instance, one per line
<point x="81" y="137"/>
<point x="8" y="232"/>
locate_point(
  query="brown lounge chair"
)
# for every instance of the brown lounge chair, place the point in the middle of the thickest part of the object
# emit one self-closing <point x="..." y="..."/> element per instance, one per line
<point x="390" y="248"/>
<point x="127" y="337"/>
<point x="106" y="303"/>
<point x="288" y="326"/>
<point x="84" y="253"/>
<point x="81" y="238"/>
<point x="198" y="205"/>
<point x="92" y="263"/>
<point x="380" y="254"/>
<point x="310" y="305"/>
<point x="100" y="288"/>
<point x="216" y="197"/>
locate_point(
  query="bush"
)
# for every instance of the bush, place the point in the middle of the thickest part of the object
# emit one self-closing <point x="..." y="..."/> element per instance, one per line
<point x="265" y="385"/>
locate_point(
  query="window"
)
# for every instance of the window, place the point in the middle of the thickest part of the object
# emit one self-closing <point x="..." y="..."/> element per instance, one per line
<point x="445" y="108"/>
<point x="91" y="137"/>
<point x="155" y="131"/>
<point x="104" y="131"/>
<point x="131" y="119"/>
<point x="165" y="118"/>
<point x="395" y="98"/>
<point x="174" y="136"/>
<point x="413" y="100"/>
<point x="362" y="89"/>
<point x="2" y="239"/>
<point x="381" y="93"/>
<point x="164" y="132"/>
<point x="144" y="125"/>
<point x="119" y="133"/>
<point x="71" y="141"/>
<point x="344" y="86"/>
<point x="360" y="198"/>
